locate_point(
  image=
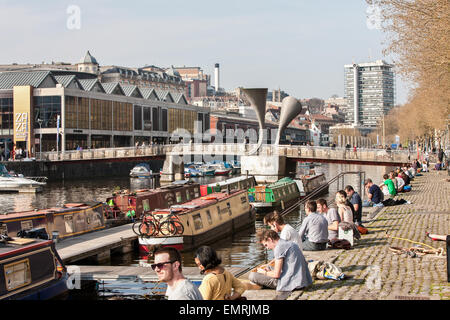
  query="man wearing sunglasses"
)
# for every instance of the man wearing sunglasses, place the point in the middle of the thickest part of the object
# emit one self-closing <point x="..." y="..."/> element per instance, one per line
<point x="168" y="268"/>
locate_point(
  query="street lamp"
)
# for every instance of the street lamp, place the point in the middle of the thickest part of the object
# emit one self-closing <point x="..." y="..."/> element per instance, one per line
<point x="39" y="121"/>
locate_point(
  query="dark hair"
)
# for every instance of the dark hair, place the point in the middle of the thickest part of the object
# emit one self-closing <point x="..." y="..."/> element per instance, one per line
<point x="174" y="254"/>
<point x="368" y="180"/>
<point x="208" y="258"/>
<point x="322" y="202"/>
<point x="349" y="188"/>
<point x="273" y="217"/>
<point x="385" y="176"/>
<point x="264" y="235"/>
<point x="311" y="205"/>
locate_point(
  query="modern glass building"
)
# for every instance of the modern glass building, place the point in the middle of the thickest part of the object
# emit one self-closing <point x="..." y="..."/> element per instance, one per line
<point x="61" y="110"/>
<point x="370" y="92"/>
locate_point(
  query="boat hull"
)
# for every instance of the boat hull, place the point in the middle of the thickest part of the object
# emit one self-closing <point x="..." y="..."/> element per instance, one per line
<point x="190" y="242"/>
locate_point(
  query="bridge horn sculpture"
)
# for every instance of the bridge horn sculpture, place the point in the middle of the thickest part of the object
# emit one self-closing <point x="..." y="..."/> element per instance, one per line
<point x="290" y="108"/>
<point x="257" y="98"/>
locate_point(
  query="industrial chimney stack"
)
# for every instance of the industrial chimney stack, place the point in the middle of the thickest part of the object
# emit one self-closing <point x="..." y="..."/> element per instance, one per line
<point x="216" y="76"/>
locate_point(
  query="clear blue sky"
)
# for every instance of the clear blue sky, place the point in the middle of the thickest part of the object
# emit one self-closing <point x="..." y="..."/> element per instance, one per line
<point x="300" y="46"/>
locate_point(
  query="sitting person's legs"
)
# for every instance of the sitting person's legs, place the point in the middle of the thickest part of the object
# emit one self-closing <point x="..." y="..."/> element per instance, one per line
<point x="367" y="203"/>
<point x="312" y="246"/>
<point x="263" y="280"/>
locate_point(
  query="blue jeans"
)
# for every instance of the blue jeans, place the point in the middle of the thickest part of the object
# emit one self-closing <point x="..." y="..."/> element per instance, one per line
<point x="371" y="204"/>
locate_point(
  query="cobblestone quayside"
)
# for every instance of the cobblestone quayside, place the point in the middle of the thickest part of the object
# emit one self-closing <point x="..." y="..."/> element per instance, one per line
<point x="373" y="271"/>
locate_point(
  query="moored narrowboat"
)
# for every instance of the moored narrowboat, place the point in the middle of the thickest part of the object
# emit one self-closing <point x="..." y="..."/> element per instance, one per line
<point x="278" y="195"/>
<point x="70" y="220"/>
<point x="236" y="183"/>
<point x="313" y="182"/>
<point x="197" y="222"/>
<point x="31" y="269"/>
<point x="124" y="205"/>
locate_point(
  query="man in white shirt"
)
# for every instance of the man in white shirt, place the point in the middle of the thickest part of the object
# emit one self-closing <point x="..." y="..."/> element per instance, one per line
<point x="287" y="232"/>
<point x="168" y="268"/>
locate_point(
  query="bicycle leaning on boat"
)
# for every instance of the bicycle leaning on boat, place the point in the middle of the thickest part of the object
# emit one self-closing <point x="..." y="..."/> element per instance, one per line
<point x="151" y="225"/>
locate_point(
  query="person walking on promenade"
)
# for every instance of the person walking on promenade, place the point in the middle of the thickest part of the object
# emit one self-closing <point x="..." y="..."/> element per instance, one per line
<point x="373" y="193"/>
<point x="314" y="229"/>
<point x="332" y="217"/>
<point x="168" y="268"/>
<point x="276" y="223"/>
<point x="355" y="200"/>
<point x="290" y="271"/>
<point x="218" y="282"/>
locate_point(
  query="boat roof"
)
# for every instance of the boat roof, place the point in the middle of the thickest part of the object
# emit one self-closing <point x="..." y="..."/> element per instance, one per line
<point x="34" y="213"/>
<point x="228" y="181"/>
<point x="281" y="182"/>
<point x="199" y="202"/>
<point x="11" y="249"/>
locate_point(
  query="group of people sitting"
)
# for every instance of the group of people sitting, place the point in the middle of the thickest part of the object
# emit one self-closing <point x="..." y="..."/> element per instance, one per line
<point x="288" y="270"/>
<point x="395" y="182"/>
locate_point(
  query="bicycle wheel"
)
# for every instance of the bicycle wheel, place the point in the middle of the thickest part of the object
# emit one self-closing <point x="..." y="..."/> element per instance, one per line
<point x="136" y="227"/>
<point x="147" y="229"/>
<point x="168" y="228"/>
<point x="179" y="226"/>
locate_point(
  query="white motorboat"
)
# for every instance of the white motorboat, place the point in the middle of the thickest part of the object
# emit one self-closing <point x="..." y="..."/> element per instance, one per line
<point x="141" y="170"/>
<point x="19" y="183"/>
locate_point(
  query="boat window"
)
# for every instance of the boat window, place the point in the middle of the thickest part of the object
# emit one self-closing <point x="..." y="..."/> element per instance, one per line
<point x="197" y="192"/>
<point x="208" y="215"/>
<point x="17" y="274"/>
<point x="198" y="224"/>
<point x="26" y="225"/>
<point x="3" y="228"/>
<point x="229" y="208"/>
<point x="178" y="196"/>
<point x="146" y="205"/>
<point x="188" y="196"/>
<point x="244" y="199"/>
<point x="68" y="222"/>
<point x="218" y="213"/>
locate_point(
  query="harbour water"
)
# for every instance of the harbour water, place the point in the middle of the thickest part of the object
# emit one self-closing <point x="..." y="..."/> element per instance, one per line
<point x="239" y="250"/>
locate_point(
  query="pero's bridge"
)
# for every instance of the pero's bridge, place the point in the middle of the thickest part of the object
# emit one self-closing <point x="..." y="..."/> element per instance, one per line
<point x="297" y="153"/>
<point x="271" y="162"/>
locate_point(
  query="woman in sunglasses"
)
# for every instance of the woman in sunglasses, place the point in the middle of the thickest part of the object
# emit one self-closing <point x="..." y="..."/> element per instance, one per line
<point x="218" y="282"/>
<point x="168" y="268"/>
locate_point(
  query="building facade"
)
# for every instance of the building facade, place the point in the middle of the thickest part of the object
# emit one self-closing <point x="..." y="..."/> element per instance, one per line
<point x="56" y="110"/>
<point x="369" y="91"/>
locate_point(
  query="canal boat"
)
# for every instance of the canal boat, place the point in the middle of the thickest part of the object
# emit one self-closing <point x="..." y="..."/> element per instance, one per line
<point x="125" y="205"/>
<point x="236" y="183"/>
<point x="31" y="269"/>
<point x="60" y="222"/>
<point x="141" y="170"/>
<point x="277" y="195"/>
<point x="197" y="222"/>
<point x="312" y="183"/>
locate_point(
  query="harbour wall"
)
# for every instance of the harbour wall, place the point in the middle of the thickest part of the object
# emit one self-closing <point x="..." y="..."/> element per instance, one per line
<point x="71" y="170"/>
